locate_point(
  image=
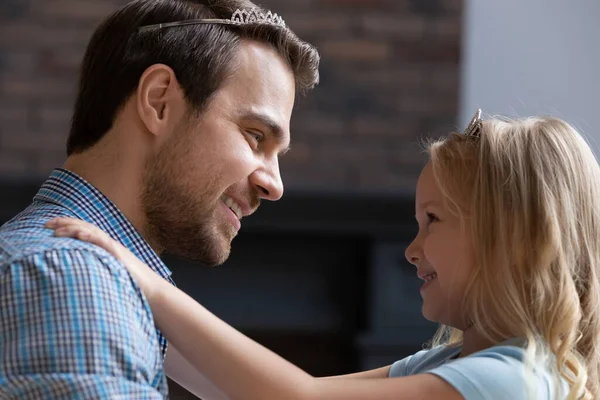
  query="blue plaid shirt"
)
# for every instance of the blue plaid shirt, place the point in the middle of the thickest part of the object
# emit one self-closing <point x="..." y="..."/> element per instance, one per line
<point x="73" y="323"/>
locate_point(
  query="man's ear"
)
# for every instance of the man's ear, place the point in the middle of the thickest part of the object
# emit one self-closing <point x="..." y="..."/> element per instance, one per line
<point x="157" y="93"/>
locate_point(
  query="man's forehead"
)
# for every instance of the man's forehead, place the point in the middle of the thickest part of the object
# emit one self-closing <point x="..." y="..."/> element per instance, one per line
<point x="260" y="65"/>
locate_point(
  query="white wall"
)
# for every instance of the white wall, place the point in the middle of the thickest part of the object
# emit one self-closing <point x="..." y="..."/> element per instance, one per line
<point x="528" y="57"/>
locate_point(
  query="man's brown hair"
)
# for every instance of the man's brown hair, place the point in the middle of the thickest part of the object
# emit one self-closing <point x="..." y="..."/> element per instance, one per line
<point x="201" y="55"/>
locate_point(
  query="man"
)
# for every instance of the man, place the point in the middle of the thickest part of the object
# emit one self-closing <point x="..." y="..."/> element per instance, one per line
<point x="182" y="111"/>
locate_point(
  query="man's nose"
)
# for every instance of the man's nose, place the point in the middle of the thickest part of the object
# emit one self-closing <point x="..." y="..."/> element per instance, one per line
<point x="267" y="182"/>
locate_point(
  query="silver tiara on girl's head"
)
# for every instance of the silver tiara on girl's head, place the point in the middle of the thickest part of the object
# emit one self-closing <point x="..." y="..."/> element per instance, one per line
<point x="239" y="17"/>
<point x="474" y="128"/>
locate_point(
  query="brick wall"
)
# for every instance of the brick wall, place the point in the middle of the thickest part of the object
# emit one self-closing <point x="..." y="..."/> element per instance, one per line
<point x="390" y="73"/>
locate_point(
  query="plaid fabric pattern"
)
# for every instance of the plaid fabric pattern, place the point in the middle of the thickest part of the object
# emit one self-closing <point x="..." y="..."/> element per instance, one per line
<point x="73" y="323"/>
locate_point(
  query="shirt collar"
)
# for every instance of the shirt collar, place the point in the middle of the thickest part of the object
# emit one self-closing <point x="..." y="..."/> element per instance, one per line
<point x="69" y="190"/>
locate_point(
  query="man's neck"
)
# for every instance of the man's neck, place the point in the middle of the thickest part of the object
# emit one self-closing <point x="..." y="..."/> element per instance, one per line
<point x="118" y="178"/>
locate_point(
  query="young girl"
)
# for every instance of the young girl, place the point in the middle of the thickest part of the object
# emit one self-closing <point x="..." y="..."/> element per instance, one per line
<point x="509" y="249"/>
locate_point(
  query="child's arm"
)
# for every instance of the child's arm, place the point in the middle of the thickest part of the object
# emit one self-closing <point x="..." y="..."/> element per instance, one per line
<point x="240" y="367"/>
<point x="179" y="369"/>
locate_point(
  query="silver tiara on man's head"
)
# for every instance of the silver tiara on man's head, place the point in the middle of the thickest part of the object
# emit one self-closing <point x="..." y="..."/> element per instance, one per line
<point x="474" y="128"/>
<point x="239" y="17"/>
<point x="256" y="16"/>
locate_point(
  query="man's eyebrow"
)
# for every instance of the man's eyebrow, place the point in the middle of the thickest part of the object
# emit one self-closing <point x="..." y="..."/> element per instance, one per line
<point x="274" y="128"/>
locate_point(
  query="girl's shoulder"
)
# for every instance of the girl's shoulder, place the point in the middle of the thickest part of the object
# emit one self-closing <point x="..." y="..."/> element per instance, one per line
<point x="424" y="360"/>
<point x="498" y="372"/>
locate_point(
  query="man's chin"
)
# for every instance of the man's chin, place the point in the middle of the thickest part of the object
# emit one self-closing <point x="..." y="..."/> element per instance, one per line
<point x="209" y="247"/>
<point x="208" y="251"/>
<point x="218" y="254"/>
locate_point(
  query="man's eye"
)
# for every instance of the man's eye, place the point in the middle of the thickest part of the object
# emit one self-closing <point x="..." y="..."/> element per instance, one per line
<point x="256" y="136"/>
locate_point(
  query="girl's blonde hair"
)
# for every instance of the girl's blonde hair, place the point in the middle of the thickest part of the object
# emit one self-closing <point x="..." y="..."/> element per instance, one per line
<point x="529" y="192"/>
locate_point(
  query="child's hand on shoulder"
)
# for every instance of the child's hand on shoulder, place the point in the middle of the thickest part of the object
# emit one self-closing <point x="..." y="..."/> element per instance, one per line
<point x="82" y="230"/>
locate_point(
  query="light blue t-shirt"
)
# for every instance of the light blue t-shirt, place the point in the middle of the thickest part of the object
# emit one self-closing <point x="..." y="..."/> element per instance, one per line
<point x="496" y="373"/>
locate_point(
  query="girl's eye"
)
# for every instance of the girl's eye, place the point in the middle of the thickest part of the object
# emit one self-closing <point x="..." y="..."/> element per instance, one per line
<point x="431" y="218"/>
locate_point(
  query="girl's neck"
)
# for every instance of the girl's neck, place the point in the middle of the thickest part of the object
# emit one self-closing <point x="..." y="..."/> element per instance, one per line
<point x="473" y="342"/>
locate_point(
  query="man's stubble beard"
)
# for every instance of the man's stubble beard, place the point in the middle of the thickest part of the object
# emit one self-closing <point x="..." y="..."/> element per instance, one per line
<point x="180" y="220"/>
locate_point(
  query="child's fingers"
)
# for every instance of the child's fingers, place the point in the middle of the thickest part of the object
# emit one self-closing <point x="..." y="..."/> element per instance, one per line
<point x="71" y="231"/>
<point x="81" y="232"/>
<point x="69" y="221"/>
<point x="73" y="224"/>
<point x="60" y="221"/>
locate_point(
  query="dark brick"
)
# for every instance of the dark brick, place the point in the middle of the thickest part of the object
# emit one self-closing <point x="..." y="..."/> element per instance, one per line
<point x="428" y="52"/>
<point x="430" y="8"/>
<point x="13" y="9"/>
<point x="393" y="27"/>
<point x="74" y="11"/>
<point x="19" y="35"/>
<point x="319" y="124"/>
<point x="445" y="30"/>
<point x="401" y="78"/>
<point x="326" y="25"/>
<point x="377" y="128"/>
<point x="15" y="165"/>
<point x="35" y="87"/>
<point x="438" y="125"/>
<point x="16" y="63"/>
<point x="49" y="160"/>
<point x="361" y="4"/>
<point x="389" y="73"/>
<point x="424" y="104"/>
<point x="31" y="142"/>
<point x="60" y="62"/>
<point x="355" y="50"/>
